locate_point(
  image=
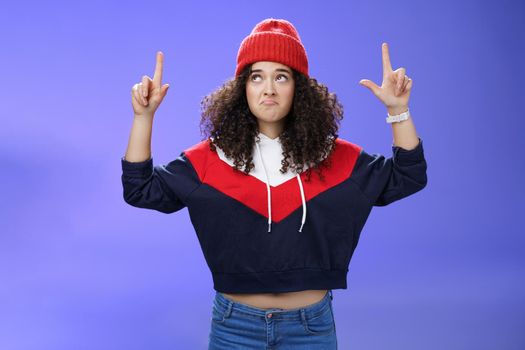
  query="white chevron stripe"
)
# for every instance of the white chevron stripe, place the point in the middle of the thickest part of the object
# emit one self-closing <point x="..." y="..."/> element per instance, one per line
<point x="272" y="155"/>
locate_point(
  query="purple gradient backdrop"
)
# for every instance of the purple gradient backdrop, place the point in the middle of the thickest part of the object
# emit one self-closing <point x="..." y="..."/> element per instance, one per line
<point x="81" y="269"/>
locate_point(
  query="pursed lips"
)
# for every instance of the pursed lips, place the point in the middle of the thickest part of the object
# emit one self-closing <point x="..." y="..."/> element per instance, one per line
<point x="269" y="102"/>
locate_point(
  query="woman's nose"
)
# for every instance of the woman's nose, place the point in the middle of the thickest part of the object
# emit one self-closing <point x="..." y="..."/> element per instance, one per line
<point x="269" y="89"/>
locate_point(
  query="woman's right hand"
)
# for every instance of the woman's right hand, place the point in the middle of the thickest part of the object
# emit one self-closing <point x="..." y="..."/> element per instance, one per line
<point x="147" y="95"/>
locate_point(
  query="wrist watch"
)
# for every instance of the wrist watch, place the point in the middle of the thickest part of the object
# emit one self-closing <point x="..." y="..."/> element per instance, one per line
<point x="398" y="117"/>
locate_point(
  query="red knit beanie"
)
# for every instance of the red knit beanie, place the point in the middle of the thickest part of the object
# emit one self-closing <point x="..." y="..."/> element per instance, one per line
<point x="274" y="40"/>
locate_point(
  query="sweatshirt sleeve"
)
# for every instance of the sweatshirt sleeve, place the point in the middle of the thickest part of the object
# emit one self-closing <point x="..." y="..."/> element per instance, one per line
<point x="386" y="180"/>
<point x="164" y="188"/>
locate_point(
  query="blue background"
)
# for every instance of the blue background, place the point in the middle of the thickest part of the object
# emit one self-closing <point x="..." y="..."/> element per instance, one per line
<point x="81" y="269"/>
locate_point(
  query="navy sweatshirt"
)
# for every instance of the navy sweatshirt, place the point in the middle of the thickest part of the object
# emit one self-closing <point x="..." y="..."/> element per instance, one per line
<point x="272" y="232"/>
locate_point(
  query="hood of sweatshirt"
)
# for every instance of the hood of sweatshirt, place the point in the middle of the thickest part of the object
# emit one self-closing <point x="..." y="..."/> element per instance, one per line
<point x="267" y="157"/>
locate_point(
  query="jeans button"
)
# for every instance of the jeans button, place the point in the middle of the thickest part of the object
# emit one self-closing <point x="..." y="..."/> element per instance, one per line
<point x="269" y="315"/>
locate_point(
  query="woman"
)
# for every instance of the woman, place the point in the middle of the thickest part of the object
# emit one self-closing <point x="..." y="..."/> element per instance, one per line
<point x="266" y="130"/>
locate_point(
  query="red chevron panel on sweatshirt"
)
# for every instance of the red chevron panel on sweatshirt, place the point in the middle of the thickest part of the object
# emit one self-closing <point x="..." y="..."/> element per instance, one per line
<point x="252" y="192"/>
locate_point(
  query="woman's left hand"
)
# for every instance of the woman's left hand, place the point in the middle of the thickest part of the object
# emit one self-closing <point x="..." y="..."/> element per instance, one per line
<point x="395" y="88"/>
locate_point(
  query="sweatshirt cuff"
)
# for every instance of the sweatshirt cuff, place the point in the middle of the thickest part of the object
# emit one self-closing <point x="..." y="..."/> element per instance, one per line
<point x="137" y="169"/>
<point x="407" y="157"/>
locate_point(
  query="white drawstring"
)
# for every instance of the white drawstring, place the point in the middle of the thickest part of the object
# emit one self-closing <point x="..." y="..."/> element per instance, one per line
<point x="267" y="188"/>
<point x="303" y="199"/>
<point x="304" y="202"/>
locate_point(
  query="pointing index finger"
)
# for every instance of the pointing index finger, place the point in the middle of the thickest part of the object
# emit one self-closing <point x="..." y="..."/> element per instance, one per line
<point x="157" y="78"/>
<point x="387" y="67"/>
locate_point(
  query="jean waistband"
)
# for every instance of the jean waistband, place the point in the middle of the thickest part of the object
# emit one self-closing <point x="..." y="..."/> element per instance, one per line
<point x="227" y="305"/>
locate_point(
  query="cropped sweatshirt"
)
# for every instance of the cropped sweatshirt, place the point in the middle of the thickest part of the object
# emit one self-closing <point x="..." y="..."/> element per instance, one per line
<point x="266" y="231"/>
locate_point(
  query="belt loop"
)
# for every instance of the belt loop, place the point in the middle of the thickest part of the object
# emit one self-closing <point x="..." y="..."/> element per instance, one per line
<point x="228" y="310"/>
<point x="331" y="294"/>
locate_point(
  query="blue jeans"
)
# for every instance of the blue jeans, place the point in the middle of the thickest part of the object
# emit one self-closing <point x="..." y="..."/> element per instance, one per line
<point x="239" y="326"/>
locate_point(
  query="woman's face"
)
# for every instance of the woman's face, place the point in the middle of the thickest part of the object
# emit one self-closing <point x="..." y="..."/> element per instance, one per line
<point x="270" y="92"/>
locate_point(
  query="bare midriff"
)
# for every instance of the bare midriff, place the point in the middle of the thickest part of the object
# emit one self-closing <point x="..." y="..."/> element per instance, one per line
<point x="288" y="300"/>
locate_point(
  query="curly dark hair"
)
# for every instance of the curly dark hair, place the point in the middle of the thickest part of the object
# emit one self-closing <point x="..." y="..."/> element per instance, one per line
<point x="309" y="132"/>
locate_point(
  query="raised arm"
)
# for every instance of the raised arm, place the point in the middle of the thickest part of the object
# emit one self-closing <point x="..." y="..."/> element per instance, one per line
<point x="394" y="93"/>
<point x="385" y="180"/>
<point x="164" y="188"/>
<point x="146" y="97"/>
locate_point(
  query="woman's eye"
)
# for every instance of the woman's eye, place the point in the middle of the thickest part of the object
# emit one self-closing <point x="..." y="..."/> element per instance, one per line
<point x="258" y="76"/>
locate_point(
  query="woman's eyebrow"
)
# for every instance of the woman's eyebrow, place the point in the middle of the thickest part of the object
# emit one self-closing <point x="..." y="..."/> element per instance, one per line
<point x="277" y="70"/>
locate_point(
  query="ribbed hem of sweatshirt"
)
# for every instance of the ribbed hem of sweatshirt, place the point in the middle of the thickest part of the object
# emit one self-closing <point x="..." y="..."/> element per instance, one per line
<point x="279" y="281"/>
<point x="408" y="157"/>
<point x="137" y="169"/>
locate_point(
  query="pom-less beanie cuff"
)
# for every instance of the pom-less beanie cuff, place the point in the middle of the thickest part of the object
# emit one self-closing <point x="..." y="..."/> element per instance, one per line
<point x="274" y="40"/>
